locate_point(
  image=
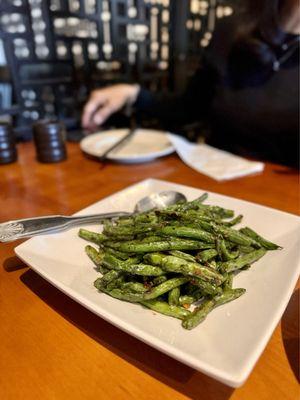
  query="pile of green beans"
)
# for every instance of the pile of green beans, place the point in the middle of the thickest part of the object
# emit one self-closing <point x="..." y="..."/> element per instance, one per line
<point x="179" y="261"/>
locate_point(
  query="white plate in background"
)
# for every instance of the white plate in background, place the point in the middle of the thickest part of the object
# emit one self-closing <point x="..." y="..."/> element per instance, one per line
<point x="145" y="145"/>
<point x="228" y="343"/>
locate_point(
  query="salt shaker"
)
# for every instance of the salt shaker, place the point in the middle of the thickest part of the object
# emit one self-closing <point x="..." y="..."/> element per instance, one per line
<point x="49" y="137"/>
<point x="8" y="149"/>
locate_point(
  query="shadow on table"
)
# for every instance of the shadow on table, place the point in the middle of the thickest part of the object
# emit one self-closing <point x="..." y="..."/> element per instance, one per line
<point x="282" y="170"/>
<point x="290" y="333"/>
<point x="171" y="372"/>
<point x="12" y="264"/>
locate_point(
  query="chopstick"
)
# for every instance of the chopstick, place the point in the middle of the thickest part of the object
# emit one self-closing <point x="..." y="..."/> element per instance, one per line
<point x="103" y="157"/>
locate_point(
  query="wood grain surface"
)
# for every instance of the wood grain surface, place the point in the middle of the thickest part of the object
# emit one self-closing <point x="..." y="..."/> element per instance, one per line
<point x="53" y="348"/>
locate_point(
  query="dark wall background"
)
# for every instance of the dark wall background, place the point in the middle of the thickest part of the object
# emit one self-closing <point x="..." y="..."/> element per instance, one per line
<point x="56" y="51"/>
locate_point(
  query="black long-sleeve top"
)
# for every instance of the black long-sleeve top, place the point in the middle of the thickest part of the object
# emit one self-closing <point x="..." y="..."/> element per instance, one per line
<point x="254" y="114"/>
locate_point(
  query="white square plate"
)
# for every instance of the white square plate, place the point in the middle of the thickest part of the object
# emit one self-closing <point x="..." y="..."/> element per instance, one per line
<point x="228" y="343"/>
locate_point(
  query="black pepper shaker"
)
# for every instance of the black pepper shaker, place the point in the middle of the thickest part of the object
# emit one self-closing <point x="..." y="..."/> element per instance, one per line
<point x="8" y="148"/>
<point x="50" y="137"/>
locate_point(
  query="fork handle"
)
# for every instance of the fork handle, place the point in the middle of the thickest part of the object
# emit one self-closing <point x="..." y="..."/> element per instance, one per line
<point x="24" y="228"/>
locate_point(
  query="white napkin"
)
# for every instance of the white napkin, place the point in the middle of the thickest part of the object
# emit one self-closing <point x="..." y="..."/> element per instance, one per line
<point x="215" y="163"/>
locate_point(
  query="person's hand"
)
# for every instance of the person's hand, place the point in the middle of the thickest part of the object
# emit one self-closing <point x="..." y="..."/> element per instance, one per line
<point x="104" y="102"/>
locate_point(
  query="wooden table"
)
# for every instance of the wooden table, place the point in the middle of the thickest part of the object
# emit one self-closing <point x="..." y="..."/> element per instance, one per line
<point x="52" y="348"/>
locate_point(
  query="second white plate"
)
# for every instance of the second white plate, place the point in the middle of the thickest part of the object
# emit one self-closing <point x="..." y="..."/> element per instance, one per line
<point x="144" y="146"/>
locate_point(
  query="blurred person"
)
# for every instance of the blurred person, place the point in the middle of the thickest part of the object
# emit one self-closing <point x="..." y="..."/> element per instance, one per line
<point x="247" y="86"/>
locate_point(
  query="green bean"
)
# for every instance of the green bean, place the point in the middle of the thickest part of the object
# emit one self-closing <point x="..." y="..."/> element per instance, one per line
<point x="141" y="239"/>
<point x="206" y="255"/>
<point x="196" y="202"/>
<point x="201" y="199"/>
<point x="171" y="244"/>
<point x="205" y="224"/>
<point x="187" y="232"/>
<point x="265" y="243"/>
<point x="245" y="249"/>
<point x="228" y="233"/>
<point x="231" y="235"/>
<point x="94" y="237"/>
<point x="134" y="287"/>
<point x="142" y="269"/>
<point x="228" y="282"/>
<point x="173" y="296"/>
<point x="131" y="266"/>
<point x="225" y="255"/>
<point x="107" y="278"/>
<point x="209" y="210"/>
<point x="235" y="236"/>
<point x="173" y="215"/>
<point x="198" y="219"/>
<point x="184" y="256"/>
<point x="166" y="309"/>
<point x="183" y="206"/>
<point x="165" y="287"/>
<point x="198" y="315"/>
<point x="220" y="211"/>
<point x="117" y="253"/>
<point x="201" y="312"/>
<point x="234" y="221"/>
<point x="112" y="262"/>
<point x="96" y="257"/>
<point x="116" y="283"/>
<point x="228" y="295"/>
<point x="242" y="261"/>
<point x="128" y="231"/>
<point x="178" y="265"/>
<point x="126" y="221"/>
<point x="122" y="295"/>
<point x="197" y="205"/>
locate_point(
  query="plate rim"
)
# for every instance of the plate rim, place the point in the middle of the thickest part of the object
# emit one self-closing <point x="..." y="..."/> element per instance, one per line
<point x="230" y="379"/>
